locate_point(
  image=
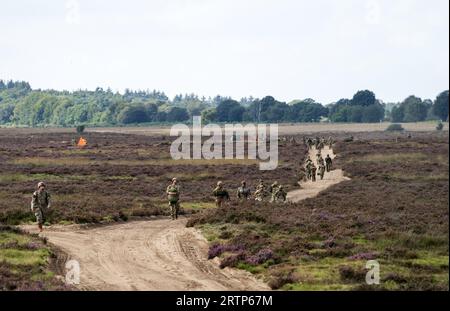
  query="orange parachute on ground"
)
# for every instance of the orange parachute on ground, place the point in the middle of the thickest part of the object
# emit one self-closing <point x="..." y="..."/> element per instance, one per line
<point x="82" y="142"/>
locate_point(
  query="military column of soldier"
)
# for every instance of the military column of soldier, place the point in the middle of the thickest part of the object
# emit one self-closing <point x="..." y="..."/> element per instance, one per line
<point x="310" y="171"/>
<point x="274" y="193"/>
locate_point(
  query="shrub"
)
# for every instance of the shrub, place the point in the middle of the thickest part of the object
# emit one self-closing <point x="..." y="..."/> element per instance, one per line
<point x="80" y="129"/>
<point x="218" y="249"/>
<point x="260" y="257"/>
<point x="395" y="127"/>
<point x="348" y="273"/>
<point x="232" y="260"/>
<point x="282" y="278"/>
<point x="439" y="126"/>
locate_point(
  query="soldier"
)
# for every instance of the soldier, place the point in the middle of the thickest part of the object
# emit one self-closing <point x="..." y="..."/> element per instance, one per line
<point x="280" y="194"/>
<point x="330" y="142"/>
<point x="320" y="160"/>
<point x="173" y="195"/>
<point x="40" y="203"/>
<point x="243" y="192"/>
<point x="322" y="143"/>
<point x="313" y="172"/>
<point x="328" y="162"/>
<point x="260" y="192"/>
<point x="318" y="156"/>
<point x="309" y="142"/>
<point x="273" y="189"/>
<point x="308" y="170"/>
<point x="274" y="185"/>
<point x="221" y="194"/>
<point x="308" y="160"/>
<point x="321" y="170"/>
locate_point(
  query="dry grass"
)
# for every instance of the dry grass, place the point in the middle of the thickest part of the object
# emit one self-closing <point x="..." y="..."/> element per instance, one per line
<point x="73" y="161"/>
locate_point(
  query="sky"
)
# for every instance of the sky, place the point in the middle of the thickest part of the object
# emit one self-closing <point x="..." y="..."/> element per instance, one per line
<point x="289" y="49"/>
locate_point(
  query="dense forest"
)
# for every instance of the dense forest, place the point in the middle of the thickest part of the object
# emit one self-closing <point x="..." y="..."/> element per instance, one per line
<point x="20" y="105"/>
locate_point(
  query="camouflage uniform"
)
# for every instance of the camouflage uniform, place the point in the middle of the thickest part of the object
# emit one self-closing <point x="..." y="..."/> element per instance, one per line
<point x="40" y="203"/>
<point x="308" y="168"/>
<point x="220" y="194"/>
<point x="309" y="142"/>
<point x="260" y="192"/>
<point x="243" y="192"/>
<point x="313" y="172"/>
<point x="173" y="195"/>
<point x="273" y="189"/>
<point x="321" y="171"/>
<point x="328" y="162"/>
<point x="320" y="160"/>
<point x="279" y="194"/>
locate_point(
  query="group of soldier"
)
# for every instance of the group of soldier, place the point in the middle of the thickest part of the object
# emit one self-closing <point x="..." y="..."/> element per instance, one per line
<point x="311" y="170"/>
<point x="41" y="198"/>
<point x="40" y="202"/>
<point x="318" y="142"/>
<point x="275" y="191"/>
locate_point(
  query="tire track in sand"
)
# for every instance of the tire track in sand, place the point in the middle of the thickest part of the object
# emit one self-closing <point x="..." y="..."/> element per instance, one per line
<point x="158" y="254"/>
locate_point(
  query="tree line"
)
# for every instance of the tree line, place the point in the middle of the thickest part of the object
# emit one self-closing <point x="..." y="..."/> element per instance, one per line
<point x="20" y="105"/>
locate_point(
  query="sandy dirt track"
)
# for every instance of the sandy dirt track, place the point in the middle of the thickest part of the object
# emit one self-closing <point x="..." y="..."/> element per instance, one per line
<point x="311" y="189"/>
<point x="158" y="254"/>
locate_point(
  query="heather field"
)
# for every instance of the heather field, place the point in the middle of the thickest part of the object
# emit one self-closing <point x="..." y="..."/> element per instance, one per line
<point x="393" y="209"/>
<point x="27" y="263"/>
<point x="116" y="176"/>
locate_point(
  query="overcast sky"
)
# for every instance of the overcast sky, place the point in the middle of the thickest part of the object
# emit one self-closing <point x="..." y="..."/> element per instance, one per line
<point x="290" y="49"/>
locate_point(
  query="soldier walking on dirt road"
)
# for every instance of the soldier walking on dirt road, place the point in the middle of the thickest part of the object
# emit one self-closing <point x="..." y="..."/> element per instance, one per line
<point x="40" y="203"/>
<point x="173" y="195"/>
<point x="328" y="162"/>
<point x="313" y="172"/>
<point x="321" y="170"/>
<point x="221" y="194"/>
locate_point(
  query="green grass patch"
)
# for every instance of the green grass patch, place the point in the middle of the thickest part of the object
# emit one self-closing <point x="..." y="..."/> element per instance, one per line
<point x="10" y="237"/>
<point x="24" y="257"/>
<point x="197" y="206"/>
<point x="317" y="287"/>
